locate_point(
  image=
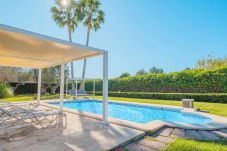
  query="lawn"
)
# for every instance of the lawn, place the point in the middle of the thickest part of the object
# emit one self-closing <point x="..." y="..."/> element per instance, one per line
<point x="192" y="145"/>
<point x="30" y="97"/>
<point x="213" y="108"/>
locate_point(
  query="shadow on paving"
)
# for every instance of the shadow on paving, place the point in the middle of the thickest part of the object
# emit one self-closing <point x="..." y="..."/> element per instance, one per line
<point x="82" y="134"/>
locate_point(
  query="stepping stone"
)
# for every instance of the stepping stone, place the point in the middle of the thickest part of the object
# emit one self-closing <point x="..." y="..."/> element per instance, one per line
<point x="152" y="144"/>
<point x="220" y="134"/>
<point x="208" y="136"/>
<point x="193" y="134"/>
<point x="177" y="132"/>
<point x="164" y="132"/>
<point x="137" y="147"/>
<point x="165" y="140"/>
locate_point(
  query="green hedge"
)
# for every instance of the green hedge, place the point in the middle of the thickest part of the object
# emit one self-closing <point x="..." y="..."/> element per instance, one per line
<point x="187" y="81"/>
<point x="200" y="97"/>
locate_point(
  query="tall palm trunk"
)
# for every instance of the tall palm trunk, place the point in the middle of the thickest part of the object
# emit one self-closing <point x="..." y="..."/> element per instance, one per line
<point x="85" y="60"/>
<point x="72" y="66"/>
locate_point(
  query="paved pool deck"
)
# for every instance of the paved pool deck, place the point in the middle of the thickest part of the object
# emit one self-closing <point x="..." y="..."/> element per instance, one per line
<point x="81" y="134"/>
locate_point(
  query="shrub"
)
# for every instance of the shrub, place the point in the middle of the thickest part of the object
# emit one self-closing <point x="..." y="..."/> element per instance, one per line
<point x="199" y="97"/>
<point x="5" y="90"/>
<point x="187" y="81"/>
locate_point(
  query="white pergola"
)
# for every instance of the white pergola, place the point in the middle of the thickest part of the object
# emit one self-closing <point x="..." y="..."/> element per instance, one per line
<point x="21" y="48"/>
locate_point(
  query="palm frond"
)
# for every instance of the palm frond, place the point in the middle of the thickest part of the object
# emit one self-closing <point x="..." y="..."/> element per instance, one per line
<point x="66" y="16"/>
<point x="91" y="12"/>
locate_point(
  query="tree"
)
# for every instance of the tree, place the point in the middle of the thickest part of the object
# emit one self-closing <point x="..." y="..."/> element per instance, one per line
<point x="141" y="72"/>
<point x="211" y="63"/>
<point x="20" y="76"/>
<point x="8" y="74"/>
<point x="16" y="75"/>
<point x="156" y="70"/>
<point x="93" y="16"/>
<point x="51" y="78"/>
<point x="66" y="14"/>
<point x="187" y="68"/>
<point x="125" y="74"/>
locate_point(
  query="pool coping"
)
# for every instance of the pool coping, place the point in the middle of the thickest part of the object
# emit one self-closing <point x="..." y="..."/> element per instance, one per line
<point x="218" y="122"/>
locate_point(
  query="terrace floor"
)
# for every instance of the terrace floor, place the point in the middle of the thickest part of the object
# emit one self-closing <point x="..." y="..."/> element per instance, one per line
<point x="81" y="134"/>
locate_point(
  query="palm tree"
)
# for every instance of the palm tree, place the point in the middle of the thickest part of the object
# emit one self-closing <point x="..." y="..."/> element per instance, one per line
<point x="65" y="14"/>
<point x="93" y="17"/>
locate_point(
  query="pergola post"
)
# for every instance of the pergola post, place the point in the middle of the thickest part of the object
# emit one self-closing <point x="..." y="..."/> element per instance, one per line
<point x="105" y="87"/>
<point x="76" y="88"/>
<point x="94" y="88"/>
<point x="39" y="86"/>
<point x="62" y="78"/>
<point x="66" y="89"/>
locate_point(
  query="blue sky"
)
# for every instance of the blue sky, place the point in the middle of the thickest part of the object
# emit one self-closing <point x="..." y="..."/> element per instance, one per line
<point x="137" y="33"/>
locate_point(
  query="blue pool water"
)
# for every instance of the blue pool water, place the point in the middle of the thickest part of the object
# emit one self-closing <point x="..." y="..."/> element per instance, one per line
<point x="137" y="113"/>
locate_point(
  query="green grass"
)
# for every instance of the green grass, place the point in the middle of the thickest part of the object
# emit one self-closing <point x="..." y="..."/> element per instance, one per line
<point x="213" y="108"/>
<point x="192" y="145"/>
<point x="150" y="138"/>
<point x="19" y="98"/>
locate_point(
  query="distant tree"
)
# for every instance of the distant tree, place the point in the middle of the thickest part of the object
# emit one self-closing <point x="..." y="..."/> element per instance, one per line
<point x="187" y="68"/>
<point x="51" y="78"/>
<point x="35" y="73"/>
<point x="125" y="74"/>
<point x="156" y="70"/>
<point x="211" y="63"/>
<point x="20" y="76"/>
<point x="8" y="74"/>
<point x="141" y="72"/>
<point x="16" y="75"/>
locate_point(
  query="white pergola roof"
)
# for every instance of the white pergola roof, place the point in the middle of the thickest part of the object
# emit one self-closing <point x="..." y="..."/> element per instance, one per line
<point x="21" y="48"/>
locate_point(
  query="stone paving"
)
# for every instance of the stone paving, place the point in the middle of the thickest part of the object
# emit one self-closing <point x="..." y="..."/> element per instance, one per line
<point x="80" y="134"/>
<point x="161" y="138"/>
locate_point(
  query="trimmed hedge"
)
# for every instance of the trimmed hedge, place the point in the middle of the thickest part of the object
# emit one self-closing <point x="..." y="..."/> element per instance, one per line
<point x="27" y="88"/>
<point x="187" y="81"/>
<point x="199" y="97"/>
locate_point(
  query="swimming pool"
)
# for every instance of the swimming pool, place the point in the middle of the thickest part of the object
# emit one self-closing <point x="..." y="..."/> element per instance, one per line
<point x="137" y="113"/>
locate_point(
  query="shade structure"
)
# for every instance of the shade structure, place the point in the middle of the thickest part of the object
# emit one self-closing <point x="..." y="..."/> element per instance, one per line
<point x="20" y="48"/>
